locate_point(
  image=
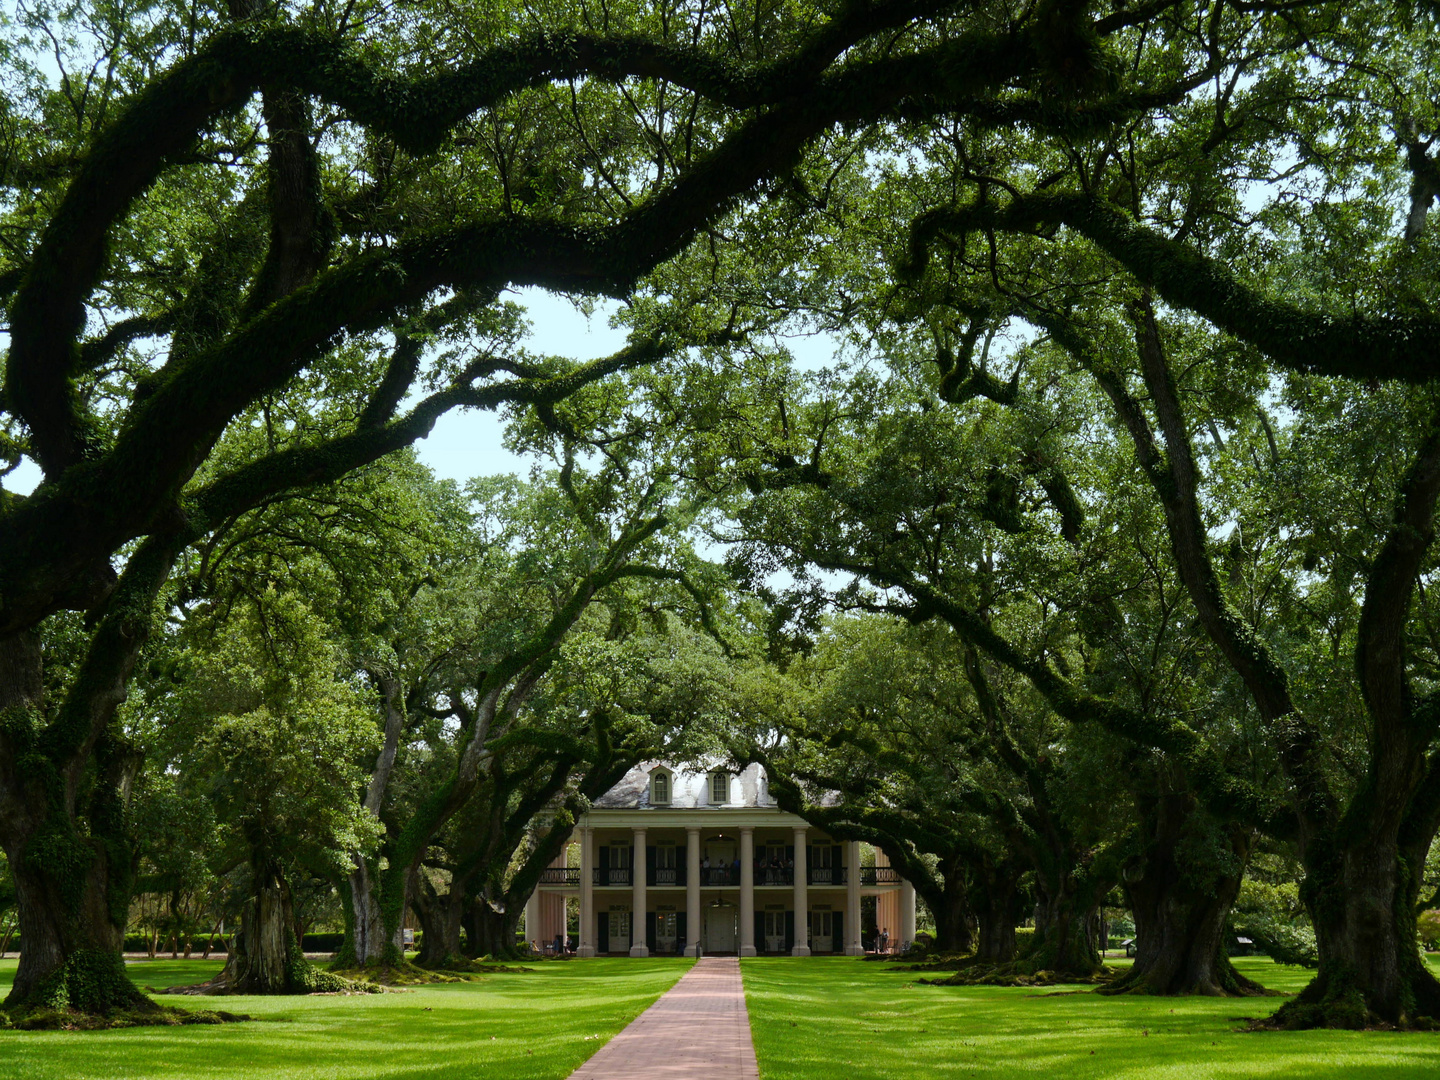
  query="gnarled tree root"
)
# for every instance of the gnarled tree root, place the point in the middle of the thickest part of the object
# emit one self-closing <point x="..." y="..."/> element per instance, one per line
<point x="1335" y="999"/>
<point x="1021" y="973"/>
<point x="1222" y="981"/>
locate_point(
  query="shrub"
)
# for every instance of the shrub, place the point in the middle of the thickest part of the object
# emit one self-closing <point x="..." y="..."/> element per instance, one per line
<point x="1429" y="929"/>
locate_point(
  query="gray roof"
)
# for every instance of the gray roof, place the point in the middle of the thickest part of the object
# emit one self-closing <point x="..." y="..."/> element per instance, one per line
<point x="689" y="787"/>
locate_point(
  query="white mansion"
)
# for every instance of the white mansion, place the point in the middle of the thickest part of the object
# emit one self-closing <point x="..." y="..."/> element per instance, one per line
<point x="671" y="858"/>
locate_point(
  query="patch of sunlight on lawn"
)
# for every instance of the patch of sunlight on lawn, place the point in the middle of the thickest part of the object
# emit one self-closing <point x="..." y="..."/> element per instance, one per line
<point x="820" y="1018"/>
<point x="539" y="1025"/>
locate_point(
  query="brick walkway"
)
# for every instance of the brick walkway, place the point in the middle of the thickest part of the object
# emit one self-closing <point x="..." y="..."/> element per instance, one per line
<point x="698" y="1029"/>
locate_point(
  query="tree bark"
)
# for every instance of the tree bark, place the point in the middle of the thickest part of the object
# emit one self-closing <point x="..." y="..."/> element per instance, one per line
<point x="261" y="961"/>
<point x="951" y="909"/>
<point x="440" y="917"/>
<point x="998" y="910"/>
<point x="1181" y="908"/>
<point x="491" y="932"/>
<point x="71" y="939"/>
<point x="71" y="898"/>
<point x="1362" y="897"/>
<point x="1063" y="943"/>
<point x="370" y="938"/>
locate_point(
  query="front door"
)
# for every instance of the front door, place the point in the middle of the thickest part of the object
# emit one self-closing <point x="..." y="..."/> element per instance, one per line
<point x="774" y="931"/>
<point x="619" y="932"/>
<point x="666" y="931"/>
<point x="720" y="929"/>
<point x="822" y="931"/>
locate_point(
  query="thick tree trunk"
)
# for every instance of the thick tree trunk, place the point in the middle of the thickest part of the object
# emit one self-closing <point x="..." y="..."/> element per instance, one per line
<point x="71" y="898"/>
<point x="998" y="908"/>
<point x="1179" y="935"/>
<point x="491" y="932"/>
<point x="262" y="960"/>
<point x="1362" y="897"/>
<point x="71" y="941"/>
<point x="952" y="912"/>
<point x="1063" y="944"/>
<point x="1180" y="909"/>
<point x="440" y="915"/>
<point x="368" y="940"/>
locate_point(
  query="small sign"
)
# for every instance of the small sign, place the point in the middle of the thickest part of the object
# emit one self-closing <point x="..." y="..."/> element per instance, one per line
<point x="407" y="936"/>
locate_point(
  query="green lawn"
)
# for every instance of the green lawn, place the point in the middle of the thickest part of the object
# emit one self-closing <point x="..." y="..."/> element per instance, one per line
<point x="815" y="1019"/>
<point x="819" y="1019"/>
<point x="537" y="1025"/>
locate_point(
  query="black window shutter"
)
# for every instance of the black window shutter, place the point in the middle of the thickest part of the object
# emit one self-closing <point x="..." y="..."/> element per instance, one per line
<point x="835" y="865"/>
<point x="650" y="933"/>
<point x="602" y="932"/>
<point x="837" y="927"/>
<point x="759" y="931"/>
<point x="650" y="872"/>
<point x="789" y="930"/>
<point x="680" y="921"/>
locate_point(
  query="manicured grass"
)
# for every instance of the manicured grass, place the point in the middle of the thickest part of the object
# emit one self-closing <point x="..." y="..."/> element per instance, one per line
<point x="542" y="1024"/>
<point x="823" y="1018"/>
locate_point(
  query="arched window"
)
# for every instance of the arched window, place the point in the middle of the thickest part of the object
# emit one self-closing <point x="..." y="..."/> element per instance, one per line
<point x="719" y="787"/>
<point x="660" y="787"/>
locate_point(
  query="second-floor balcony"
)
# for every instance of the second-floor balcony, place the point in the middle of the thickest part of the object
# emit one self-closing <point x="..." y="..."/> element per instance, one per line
<point x="655" y="876"/>
<point x="720" y="876"/>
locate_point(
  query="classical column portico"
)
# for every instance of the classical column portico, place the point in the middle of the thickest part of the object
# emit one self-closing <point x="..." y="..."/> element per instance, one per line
<point x="907" y="914"/>
<point x="638" y="864"/>
<point x="692" y="891"/>
<point x="852" y="900"/>
<point x="587" y="893"/>
<point x="802" y="896"/>
<point x="747" y="890"/>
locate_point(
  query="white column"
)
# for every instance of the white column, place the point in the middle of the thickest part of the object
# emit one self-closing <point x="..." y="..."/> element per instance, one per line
<point x="907" y="913"/>
<point x="637" y="901"/>
<point x="802" y="896"/>
<point x="587" y="893"/>
<point x="532" y="919"/>
<point x="852" y="900"/>
<point x="692" y="890"/>
<point x="747" y="891"/>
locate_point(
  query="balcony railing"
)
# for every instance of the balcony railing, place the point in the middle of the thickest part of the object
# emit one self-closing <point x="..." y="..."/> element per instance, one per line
<point x="722" y="876"/>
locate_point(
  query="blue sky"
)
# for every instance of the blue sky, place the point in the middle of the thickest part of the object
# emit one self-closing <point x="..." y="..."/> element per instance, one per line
<point x="468" y="444"/>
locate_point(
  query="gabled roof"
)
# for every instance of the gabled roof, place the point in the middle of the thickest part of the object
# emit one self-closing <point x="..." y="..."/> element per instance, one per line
<point x="689" y="787"/>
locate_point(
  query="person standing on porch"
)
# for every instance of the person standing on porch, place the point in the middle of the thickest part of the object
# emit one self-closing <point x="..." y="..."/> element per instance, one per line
<point x="882" y="945"/>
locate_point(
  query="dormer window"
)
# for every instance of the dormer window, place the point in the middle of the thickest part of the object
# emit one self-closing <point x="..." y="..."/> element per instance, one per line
<point x="719" y="787"/>
<point x="660" y="788"/>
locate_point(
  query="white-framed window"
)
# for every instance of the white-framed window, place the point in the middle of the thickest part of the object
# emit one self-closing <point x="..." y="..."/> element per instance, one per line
<point x="660" y="788"/>
<point x="719" y="787"/>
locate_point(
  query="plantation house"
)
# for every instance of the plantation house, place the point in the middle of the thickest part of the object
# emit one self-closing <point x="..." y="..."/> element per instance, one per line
<point x="674" y="856"/>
